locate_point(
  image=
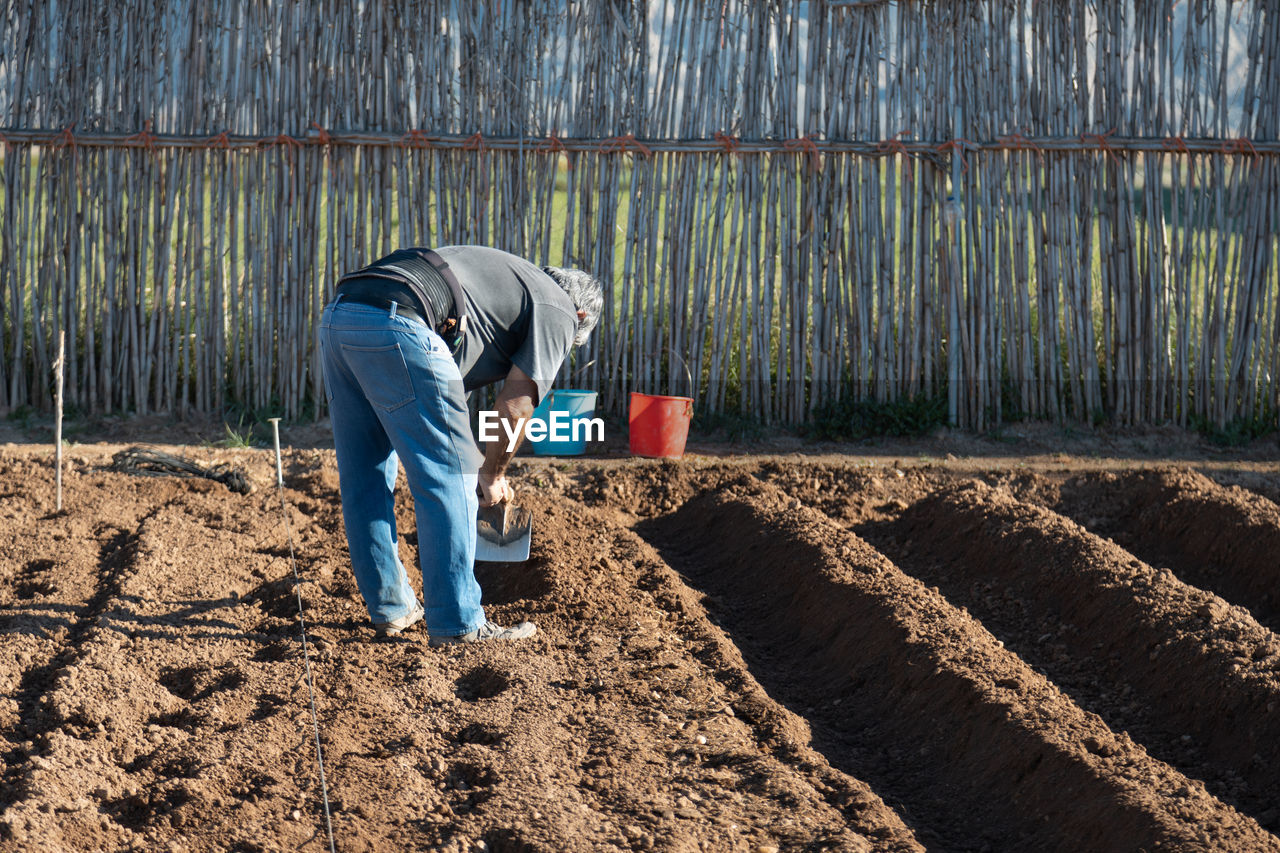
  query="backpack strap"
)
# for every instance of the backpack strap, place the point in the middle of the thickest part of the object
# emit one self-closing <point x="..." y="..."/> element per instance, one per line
<point x="452" y="328"/>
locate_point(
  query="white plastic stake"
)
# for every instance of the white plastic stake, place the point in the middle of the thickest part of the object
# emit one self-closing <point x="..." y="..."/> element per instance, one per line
<point x="275" y="437"/>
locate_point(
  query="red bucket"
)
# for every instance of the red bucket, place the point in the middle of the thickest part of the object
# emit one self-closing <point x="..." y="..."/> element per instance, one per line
<point x="659" y="425"/>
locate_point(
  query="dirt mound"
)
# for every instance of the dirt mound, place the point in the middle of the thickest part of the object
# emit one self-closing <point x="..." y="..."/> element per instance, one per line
<point x="1200" y="675"/>
<point x="910" y="693"/>
<point x="641" y="490"/>
<point x="1217" y="538"/>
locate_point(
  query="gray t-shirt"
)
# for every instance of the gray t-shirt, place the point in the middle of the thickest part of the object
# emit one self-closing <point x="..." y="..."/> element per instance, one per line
<point x="516" y="314"/>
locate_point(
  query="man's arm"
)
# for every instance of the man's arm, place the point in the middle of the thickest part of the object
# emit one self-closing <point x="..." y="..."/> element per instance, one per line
<point x="515" y="401"/>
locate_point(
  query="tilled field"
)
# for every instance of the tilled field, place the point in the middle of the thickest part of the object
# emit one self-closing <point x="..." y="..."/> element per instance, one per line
<point x="755" y="655"/>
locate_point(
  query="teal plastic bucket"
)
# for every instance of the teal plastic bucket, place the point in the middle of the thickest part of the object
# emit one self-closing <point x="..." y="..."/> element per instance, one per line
<point x="579" y="407"/>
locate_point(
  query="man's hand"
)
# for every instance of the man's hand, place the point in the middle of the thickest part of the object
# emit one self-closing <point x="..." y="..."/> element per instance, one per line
<point x="514" y="403"/>
<point x="494" y="489"/>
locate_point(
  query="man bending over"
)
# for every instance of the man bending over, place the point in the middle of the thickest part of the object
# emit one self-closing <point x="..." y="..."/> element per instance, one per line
<point x="402" y="344"/>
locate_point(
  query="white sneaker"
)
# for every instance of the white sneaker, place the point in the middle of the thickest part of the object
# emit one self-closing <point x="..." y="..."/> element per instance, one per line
<point x="489" y="631"/>
<point x="395" y="626"/>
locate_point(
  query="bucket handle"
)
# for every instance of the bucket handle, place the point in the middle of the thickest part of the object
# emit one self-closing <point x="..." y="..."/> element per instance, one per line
<point x="551" y="396"/>
<point x="693" y="389"/>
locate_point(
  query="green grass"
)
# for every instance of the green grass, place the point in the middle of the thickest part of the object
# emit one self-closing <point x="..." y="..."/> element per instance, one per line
<point x="235" y="438"/>
<point x="22" y="416"/>
<point x="1238" y="431"/>
<point x="732" y="427"/>
<point x="858" y="420"/>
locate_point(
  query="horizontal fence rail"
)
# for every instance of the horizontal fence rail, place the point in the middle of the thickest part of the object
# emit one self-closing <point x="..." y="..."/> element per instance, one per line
<point x="814" y="147"/>
<point x="1030" y="208"/>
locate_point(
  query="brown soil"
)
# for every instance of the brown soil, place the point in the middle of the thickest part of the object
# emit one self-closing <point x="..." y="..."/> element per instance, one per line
<point x="1143" y="649"/>
<point x="1226" y="539"/>
<point x="770" y="653"/>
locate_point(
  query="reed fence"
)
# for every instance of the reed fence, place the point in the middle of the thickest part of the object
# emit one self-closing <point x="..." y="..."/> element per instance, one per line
<point x="1037" y="207"/>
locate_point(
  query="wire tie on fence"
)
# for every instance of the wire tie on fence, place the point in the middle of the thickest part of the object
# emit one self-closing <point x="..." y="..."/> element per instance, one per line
<point x="279" y="139"/>
<point x="1242" y="145"/>
<point x="1175" y="143"/>
<point x="1017" y="141"/>
<point x="222" y="140"/>
<point x="67" y="139"/>
<point x="416" y="139"/>
<point x="729" y="142"/>
<point x="144" y="137"/>
<point x="552" y="143"/>
<point x="624" y="143"/>
<point x="806" y="144"/>
<point x="895" y="145"/>
<point x="289" y="143"/>
<point x="1100" y="140"/>
<point x="474" y="142"/>
<point x="958" y="146"/>
<point x="322" y="136"/>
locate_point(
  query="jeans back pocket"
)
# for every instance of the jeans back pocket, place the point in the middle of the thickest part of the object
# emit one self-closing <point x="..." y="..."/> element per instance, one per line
<point x="382" y="374"/>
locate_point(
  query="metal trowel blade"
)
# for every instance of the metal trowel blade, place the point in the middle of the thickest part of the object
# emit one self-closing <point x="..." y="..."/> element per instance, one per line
<point x="503" y="533"/>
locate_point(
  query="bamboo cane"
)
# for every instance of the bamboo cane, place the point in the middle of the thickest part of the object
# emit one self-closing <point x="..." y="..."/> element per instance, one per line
<point x="57" y="422"/>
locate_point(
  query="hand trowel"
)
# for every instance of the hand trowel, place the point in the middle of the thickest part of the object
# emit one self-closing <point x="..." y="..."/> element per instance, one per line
<point x="503" y="533"/>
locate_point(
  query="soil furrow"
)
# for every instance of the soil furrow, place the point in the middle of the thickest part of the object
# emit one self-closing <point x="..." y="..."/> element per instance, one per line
<point x="117" y="553"/>
<point x="906" y="691"/>
<point x="40" y="726"/>
<point x="1193" y="678"/>
<point x="117" y="753"/>
<point x="59" y="570"/>
<point x="1225" y="540"/>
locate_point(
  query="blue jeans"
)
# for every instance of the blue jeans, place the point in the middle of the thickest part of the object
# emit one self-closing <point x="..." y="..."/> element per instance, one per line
<point x="394" y="391"/>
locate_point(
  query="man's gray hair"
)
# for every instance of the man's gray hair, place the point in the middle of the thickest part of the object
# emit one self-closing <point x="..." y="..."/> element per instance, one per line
<point x="587" y="294"/>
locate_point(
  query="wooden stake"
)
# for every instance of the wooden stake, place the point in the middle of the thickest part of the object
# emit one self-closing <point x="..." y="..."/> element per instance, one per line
<point x="57" y="418"/>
